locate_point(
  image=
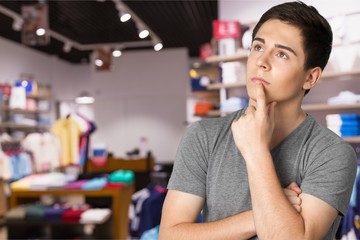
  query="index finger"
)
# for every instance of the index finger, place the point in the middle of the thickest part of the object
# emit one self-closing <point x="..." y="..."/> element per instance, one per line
<point x="260" y="97"/>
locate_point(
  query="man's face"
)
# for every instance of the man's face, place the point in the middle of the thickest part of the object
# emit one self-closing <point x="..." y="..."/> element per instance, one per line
<point x="277" y="60"/>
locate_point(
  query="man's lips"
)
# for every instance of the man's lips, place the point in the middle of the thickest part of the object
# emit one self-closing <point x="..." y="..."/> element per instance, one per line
<point x="259" y="80"/>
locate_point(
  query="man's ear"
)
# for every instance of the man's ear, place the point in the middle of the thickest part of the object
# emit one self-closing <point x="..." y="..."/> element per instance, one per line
<point x="313" y="76"/>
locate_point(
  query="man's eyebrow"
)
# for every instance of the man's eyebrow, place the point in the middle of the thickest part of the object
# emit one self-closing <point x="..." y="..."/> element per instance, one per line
<point x="259" y="39"/>
<point x="276" y="45"/>
<point x="286" y="48"/>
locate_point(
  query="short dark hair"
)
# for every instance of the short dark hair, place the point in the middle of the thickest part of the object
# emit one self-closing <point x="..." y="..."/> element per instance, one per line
<point x="315" y="30"/>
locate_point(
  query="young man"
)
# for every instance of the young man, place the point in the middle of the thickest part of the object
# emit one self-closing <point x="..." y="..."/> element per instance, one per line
<point x="235" y="168"/>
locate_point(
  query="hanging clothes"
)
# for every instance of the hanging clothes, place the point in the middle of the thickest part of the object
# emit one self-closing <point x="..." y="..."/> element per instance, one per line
<point x="145" y="209"/>
<point x="88" y="127"/>
<point x="15" y="163"/>
<point x="74" y="133"/>
<point x="68" y="131"/>
<point x="45" y="149"/>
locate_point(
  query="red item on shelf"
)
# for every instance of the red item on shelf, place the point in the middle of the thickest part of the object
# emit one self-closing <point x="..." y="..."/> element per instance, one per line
<point x="226" y="29"/>
<point x="72" y="215"/>
<point x="202" y="108"/>
<point x="114" y="185"/>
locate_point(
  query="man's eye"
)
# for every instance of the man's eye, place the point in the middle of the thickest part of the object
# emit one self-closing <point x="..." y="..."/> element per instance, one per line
<point x="282" y="55"/>
<point x="257" y="48"/>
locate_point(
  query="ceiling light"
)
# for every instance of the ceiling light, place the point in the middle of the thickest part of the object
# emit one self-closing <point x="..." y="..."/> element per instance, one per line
<point x="17" y="24"/>
<point x="99" y="63"/>
<point x="67" y="47"/>
<point x="143" y="33"/>
<point x="124" y="17"/>
<point x="116" y="53"/>
<point x="84" y="98"/>
<point x="124" y="13"/>
<point x="157" y="43"/>
<point x="158" y="46"/>
<point x="40" y="32"/>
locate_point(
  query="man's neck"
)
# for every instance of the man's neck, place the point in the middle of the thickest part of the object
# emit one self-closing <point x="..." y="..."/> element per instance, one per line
<point x="286" y="121"/>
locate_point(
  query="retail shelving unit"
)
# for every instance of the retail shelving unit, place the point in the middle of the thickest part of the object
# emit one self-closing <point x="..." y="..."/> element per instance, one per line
<point x="313" y="107"/>
<point x="120" y="199"/>
<point x="7" y="125"/>
<point x="242" y="56"/>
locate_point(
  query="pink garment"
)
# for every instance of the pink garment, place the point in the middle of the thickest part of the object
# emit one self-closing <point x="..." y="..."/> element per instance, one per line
<point x="76" y="185"/>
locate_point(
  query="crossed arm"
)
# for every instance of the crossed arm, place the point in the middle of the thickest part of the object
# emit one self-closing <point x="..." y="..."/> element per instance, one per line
<point x="181" y="210"/>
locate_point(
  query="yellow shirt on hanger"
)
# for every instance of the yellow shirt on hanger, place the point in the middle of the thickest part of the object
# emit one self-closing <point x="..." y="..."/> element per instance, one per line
<point x="68" y="131"/>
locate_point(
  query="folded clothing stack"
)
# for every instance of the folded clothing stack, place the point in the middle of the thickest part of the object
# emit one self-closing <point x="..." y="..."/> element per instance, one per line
<point x="345" y="125"/>
<point x="58" y="213"/>
<point x="233" y="104"/>
<point x="344" y="97"/>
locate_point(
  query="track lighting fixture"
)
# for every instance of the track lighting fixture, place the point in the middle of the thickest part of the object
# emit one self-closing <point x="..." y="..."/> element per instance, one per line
<point x="40" y="32"/>
<point x="143" y="32"/>
<point x="125" y="13"/>
<point x="99" y="62"/>
<point x="157" y="44"/>
<point x="158" y="47"/>
<point x="124" y="17"/>
<point x="116" y="53"/>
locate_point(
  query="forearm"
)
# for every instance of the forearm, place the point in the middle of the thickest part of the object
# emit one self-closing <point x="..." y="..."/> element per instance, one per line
<point x="274" y="216"/>
<point x="239" y="226"/>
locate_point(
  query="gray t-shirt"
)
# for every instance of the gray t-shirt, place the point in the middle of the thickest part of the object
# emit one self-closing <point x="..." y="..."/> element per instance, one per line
<point x="209" y="165"/>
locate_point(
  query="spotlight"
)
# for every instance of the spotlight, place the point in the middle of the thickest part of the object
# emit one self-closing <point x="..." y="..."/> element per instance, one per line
<point x="157" y="44"/>
<point x="125" y="17"/>
<point x="40" y="32"/>
<point x="158" y="47"/>
<point x="99" y="63"/>
<point x="123" y="12"/>
<point x="143" y="33"/>
<point x="116" y="53"/>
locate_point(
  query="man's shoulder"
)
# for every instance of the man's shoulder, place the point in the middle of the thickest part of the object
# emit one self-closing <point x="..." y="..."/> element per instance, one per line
<point x="322" y="139"/>
<point x="321" y="134"/>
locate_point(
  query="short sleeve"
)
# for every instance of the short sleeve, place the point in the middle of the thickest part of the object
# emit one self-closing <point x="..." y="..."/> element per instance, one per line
<point x="330" y="177"/>
<point x="190" y="166"/>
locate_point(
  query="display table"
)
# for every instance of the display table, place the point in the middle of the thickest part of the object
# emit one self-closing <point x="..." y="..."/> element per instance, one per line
<point x="121" y="198"/>
<point x="113" y="164"/>
<point x="141" y="167"/>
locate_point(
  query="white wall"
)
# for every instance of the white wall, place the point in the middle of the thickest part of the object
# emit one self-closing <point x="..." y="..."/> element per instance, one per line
<point x="143" y="95"/>
<point x="16" y="59"/>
